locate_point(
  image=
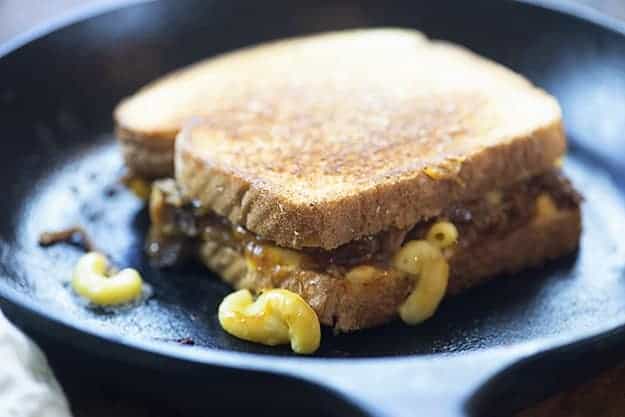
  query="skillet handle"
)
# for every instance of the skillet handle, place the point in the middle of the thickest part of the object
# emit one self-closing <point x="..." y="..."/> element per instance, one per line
<point x="433" y="386"/>
<point x="494" y="382"/>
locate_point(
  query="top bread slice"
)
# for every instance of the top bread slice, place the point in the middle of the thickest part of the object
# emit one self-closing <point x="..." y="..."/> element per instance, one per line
<point x="317" y="141"/>
<point x="390" y="77"/>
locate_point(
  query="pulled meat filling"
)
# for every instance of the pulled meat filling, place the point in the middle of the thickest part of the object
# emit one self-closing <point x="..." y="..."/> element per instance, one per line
<point x="179" y="227"/>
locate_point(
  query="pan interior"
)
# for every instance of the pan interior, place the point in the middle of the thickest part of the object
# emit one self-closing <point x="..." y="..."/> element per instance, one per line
<point x="59" y="165"/>
<point x="571" y="294"/>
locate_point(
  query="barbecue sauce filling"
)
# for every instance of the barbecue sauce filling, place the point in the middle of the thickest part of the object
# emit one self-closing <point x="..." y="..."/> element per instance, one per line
<point x="179" y="227"/>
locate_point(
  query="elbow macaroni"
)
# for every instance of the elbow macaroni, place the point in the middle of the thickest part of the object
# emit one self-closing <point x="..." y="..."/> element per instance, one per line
<point x="425" y="260"/>
<point x="92" y="281"/>
<point x="428" y="292"/>
<point x="414" y="255"/>
<point x="442" y="234"/>
<point x="276" y="317"/>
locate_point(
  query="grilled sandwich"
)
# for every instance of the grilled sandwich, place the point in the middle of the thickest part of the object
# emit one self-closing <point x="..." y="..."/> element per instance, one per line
<point x="312" y="164"/>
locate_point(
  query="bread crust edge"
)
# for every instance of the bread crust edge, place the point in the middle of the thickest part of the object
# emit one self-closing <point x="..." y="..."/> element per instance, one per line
<point x="264" y="210"/>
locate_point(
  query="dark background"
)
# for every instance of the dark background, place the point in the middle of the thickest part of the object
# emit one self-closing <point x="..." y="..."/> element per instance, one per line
<point x="16" y="16"/>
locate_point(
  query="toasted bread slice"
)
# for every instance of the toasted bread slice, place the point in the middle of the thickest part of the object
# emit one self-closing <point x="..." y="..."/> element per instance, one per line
<point x="345" y="135"/>
<point x="389" y="86"/>
<point x="148" y="121"/>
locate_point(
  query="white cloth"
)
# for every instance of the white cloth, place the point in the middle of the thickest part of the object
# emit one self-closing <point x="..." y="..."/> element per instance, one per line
<point x="27" y="385"/>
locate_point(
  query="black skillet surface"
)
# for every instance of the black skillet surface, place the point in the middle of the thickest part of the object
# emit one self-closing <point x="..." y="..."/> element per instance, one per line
<point x="59" y="167"/>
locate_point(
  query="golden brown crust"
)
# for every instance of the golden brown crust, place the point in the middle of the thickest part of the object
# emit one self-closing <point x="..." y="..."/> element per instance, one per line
<point x="156" y="112"/>
<point x="319" y="144"/>
<point x="361" y="86"/>
<point x="299" y="214"/>
<point x="349" y="306"/>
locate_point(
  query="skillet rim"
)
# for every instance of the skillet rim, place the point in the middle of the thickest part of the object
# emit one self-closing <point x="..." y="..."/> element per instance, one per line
<point x="38" y="318"/>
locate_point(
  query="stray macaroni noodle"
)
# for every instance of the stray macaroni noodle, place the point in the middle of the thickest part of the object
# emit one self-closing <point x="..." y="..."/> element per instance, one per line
<point x="93" y="281"/>
<point x="276" y="317"/>
<point x="424" y="260"/>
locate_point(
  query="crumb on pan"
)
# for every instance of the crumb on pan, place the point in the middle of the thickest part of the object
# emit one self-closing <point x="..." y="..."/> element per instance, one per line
<point x="185" y="341"/>
<point x="74" y="235"/>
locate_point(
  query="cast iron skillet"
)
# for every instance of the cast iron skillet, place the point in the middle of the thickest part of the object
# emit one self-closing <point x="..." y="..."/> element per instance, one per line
<point x="487" y="352"/>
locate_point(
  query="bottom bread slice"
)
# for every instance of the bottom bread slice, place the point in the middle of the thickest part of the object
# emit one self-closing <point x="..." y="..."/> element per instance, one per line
<point x="349" y="305"/>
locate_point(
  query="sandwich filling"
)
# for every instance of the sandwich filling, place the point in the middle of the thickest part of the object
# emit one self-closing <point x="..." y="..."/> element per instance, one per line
<point x="181" y="229"/>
